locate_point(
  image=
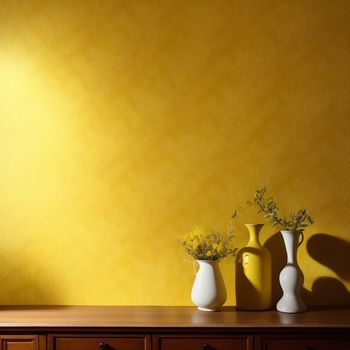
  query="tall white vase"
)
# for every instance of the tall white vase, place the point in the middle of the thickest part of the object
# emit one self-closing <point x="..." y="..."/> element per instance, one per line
<point x="291" y="277"/>
<point x="208" y="292"/>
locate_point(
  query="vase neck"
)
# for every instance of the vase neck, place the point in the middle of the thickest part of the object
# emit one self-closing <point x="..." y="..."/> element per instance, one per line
<point x="291" y="241"/>
<point x="208" y="262"/>
<point x="254" y="231"/>
<point x="206" y="265"/>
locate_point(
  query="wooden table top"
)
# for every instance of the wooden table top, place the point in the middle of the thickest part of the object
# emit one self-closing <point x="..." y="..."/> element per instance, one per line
<point x="166" y="316"/>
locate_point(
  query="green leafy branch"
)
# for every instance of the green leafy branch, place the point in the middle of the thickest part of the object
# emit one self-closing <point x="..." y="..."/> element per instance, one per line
<point x="294" y="222"/>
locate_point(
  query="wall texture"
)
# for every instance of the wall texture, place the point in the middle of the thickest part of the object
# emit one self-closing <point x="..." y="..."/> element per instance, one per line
<point x="124" y="124"/>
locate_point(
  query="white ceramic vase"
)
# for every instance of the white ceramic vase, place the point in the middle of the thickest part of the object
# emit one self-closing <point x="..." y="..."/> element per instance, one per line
<point x="208" y="291"/>
<point x="291" y="276"/>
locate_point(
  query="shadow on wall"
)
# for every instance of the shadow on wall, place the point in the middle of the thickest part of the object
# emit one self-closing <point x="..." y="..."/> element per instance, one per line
<point x="279" y="258"/>
<point x="327" y="250"/>
<point x="334" y="253"/>
<point x="25" y="284"/>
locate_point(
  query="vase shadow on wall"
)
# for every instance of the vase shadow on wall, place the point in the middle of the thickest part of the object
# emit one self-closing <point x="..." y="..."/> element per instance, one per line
<point x="277" y="249"/>
<point x="333" y="253"/>
<point x="327" y="250"/>
<point x="25" y="286"/>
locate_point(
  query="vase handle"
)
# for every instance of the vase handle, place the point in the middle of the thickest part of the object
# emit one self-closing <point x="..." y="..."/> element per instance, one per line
<point x="195" y="267"/>
<point x="302" y="237"/>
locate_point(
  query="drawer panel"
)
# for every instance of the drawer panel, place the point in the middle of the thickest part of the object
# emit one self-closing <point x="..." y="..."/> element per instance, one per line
<point x="307" y="343"/>
<point x="100" y="343"/>
<point x="204" y="343"/>
<point x="21" y="342"/>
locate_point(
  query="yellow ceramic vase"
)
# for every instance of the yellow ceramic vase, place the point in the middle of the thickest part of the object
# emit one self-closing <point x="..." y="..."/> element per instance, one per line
<point x="253" y="273"/>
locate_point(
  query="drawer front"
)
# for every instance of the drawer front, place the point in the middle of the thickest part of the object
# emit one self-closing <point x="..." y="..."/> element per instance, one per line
<point x="204" y="343"/>
<point x="20" y="342"/>
<point x="307" y="343"/>
<point x="101" y="343"/>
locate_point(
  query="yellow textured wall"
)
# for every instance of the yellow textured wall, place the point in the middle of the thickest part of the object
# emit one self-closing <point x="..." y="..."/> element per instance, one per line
<point x="124" y="124"/>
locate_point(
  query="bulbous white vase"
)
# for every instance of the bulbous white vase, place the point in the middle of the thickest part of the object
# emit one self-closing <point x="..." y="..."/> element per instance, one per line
<point x="208" y="291"/>
<point x="291" y="277"/>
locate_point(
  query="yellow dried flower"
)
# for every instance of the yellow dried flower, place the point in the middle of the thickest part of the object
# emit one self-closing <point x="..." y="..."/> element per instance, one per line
<point x="208" y="245"/>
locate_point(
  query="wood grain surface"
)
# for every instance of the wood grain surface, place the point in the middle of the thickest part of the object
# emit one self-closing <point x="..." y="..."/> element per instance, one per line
<point x="169" y="316"/>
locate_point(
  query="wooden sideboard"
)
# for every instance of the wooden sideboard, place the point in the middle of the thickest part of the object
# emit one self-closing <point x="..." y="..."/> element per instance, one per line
<point x="170" y="328"/>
